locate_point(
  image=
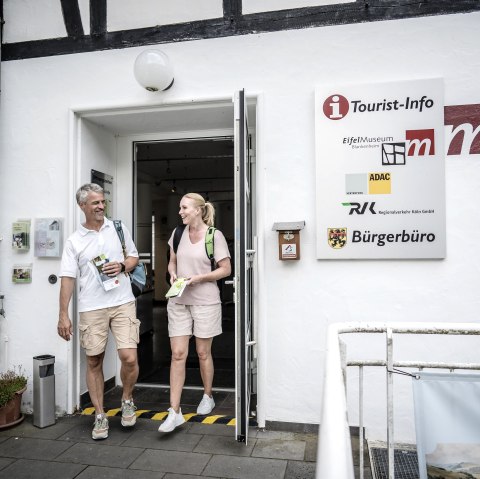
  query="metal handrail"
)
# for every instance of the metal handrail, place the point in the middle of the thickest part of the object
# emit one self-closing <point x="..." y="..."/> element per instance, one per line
<point x="334" y="458"/>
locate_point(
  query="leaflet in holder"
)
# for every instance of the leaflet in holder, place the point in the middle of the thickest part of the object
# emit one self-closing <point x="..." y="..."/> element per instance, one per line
<point x="177" y="288"/>
<point x="107" y="282"/>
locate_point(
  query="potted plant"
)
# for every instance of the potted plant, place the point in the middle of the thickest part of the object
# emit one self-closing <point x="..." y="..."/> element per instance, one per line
<point x="13" y="384"/>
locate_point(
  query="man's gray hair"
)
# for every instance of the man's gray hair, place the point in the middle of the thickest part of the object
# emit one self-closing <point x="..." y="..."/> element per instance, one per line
<point x="83" y="191"/>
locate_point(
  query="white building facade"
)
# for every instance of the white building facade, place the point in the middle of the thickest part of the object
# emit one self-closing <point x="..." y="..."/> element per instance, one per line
<point x="72" y="106"/>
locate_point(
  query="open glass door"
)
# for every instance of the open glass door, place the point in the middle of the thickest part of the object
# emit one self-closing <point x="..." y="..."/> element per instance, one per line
<point x="243" y="281"/>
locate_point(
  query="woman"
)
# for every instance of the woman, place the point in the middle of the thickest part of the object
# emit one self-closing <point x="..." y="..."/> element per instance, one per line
<point x="198" y="311"/>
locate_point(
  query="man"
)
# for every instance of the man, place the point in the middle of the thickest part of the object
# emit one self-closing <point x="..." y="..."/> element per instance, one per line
<point x="94" y="254"/>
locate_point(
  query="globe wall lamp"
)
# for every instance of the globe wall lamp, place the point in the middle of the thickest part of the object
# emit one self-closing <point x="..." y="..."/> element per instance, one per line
<point x="153" y="70"/>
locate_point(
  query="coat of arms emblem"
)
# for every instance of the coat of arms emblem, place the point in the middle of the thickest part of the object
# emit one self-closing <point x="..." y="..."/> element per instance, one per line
<point x="337" y="237"/>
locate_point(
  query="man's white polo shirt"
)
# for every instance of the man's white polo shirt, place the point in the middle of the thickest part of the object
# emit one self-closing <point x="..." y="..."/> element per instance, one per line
<point x="84" y="245"/>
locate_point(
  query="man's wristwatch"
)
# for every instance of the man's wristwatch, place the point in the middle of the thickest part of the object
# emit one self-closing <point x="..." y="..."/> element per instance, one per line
<point x="122" y="267"/>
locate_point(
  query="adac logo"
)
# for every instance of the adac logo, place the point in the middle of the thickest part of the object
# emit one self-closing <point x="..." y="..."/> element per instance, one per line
<point x="368" y="183"/>
<point x="360" y="208"/>
<point x="337" y="237"/>
<point x="336" y="107"/>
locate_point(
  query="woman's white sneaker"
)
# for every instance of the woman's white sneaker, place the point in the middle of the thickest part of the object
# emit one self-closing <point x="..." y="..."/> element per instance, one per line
<point x="206" y="405"/>
<point x="173" y="420"/>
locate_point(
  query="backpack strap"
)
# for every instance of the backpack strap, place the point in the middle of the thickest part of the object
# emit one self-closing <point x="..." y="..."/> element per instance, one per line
<point x="121" y="237"/>
<point x="177" y="236"/>
<point x="210" y="245"/>
<point x="209" y="242"/>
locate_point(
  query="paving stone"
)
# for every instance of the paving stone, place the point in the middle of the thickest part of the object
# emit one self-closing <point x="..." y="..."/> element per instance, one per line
<point x="27" y="429"/>
<point x="96" y="472"/>
<point x="100" y="454"/>
<point x="311" y="448"/>
<point x="300" y="470"/>
<point x="172" y="461"/>
<point x="215" y="429"/>
<point x="279" y="449"/>
<point x="195" y="450"/>
<point x="117" y="434"/>
<point x="28" y="469"/>
<point x="4" y="462"/>
<point x="183" y="476"/>
<point x="285" y="435"/>
<point x="295" y="427"/>
<point x="29" y="448"/>
<point x="153" y="424"/>
<point x="224" y="445"/>
<point x="156" y="440"/>
<point x="267" y="434"/>
<point x="245" y="468"/>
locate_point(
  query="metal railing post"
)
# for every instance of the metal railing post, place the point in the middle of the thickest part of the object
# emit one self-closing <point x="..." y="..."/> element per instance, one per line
<point x="360" y="418"/>
<point x="343" y="358"/>
<point x="390" y="440"/>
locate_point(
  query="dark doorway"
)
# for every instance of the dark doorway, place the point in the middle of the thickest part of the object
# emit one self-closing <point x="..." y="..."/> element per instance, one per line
<point x="165" y="171"/>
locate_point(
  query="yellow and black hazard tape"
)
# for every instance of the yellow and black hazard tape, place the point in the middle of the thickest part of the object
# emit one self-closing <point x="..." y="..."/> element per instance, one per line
<point x="161" y="415"/>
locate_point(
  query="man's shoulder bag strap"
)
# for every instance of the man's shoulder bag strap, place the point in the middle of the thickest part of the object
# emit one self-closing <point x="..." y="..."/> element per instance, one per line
<point x="121" y="237"/>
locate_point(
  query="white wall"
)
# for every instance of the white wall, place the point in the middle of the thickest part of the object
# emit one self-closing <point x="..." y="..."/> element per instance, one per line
<point x="284" y="69"/>
<point x="256" y="6"/>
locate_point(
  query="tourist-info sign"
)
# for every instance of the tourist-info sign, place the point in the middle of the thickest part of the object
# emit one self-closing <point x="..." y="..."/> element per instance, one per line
<point x="380" y="170"/>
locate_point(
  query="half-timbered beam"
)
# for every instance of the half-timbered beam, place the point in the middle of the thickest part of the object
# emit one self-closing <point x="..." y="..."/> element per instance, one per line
<point x="232" y="23"/>
<point x="98" y="17"/>
<point x="72" y="18"/>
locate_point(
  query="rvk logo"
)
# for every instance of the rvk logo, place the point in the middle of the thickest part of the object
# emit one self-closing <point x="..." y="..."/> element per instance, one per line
<point x="360" y="209"/>
<point x="336" y="107"/>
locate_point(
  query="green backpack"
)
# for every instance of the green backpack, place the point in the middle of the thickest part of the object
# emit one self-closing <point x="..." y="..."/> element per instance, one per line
<point x="209" y="242"/>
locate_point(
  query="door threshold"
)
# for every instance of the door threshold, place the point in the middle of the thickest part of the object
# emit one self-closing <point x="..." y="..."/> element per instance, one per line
<point x="192" y="388"/>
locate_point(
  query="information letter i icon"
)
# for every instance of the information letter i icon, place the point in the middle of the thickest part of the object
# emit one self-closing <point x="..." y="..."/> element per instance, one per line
<point x="335" y="107"/>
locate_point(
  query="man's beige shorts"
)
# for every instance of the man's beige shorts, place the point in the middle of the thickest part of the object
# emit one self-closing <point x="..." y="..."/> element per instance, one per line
<point x="203" y="321"/>
<point x="122" y="320"/>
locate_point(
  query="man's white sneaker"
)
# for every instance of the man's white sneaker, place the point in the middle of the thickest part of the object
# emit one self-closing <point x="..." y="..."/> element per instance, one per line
<point x="129" y="418"/>
<point x="100" y="427"/>
<point x="173" y="420"/>
<point x="206" y="405"/>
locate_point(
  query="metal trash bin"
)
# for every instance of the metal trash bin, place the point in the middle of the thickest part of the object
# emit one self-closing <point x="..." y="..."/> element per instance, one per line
<point x="44" y="390"/>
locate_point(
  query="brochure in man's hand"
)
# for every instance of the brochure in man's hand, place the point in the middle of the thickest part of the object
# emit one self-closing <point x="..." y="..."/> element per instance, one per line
<point x="108" y="282"/>
<point x="177" y="288"/>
